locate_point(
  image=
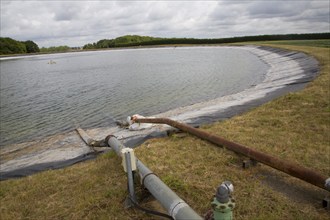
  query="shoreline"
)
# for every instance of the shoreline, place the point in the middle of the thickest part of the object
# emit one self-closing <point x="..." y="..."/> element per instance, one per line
<point x="18" y="56"/>
<point x="303" y="69"/>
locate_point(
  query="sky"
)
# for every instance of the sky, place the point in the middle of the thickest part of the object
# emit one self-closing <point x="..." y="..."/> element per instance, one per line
<point x="76" y="23"/>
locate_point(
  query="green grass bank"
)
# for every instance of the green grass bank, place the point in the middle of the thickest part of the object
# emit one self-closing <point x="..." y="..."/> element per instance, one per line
<point x="294" y="127"/>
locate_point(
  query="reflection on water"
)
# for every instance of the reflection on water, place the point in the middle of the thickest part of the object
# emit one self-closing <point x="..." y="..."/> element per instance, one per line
<point x="95" y="88"/>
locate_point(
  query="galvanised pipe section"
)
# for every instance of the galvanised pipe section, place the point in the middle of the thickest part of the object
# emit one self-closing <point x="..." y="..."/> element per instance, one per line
<point x="297" y="171"/>
<point x="175" y="206"/>
<point x="130" y="176"/>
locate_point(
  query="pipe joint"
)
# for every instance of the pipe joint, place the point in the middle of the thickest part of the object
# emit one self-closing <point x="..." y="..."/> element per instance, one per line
<point x="176" y="206"/>
<point x="145" y="176"/>
<point x="107" y="138"/>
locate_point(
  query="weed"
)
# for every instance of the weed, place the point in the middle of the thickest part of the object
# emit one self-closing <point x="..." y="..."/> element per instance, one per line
<point x="174" y="182"/>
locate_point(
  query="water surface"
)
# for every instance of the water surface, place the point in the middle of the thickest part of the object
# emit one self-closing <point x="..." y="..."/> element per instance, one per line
<point x="93" y="89"/>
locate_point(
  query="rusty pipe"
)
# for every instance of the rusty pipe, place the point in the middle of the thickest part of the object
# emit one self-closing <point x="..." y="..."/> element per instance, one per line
<point x="292" y="169"/>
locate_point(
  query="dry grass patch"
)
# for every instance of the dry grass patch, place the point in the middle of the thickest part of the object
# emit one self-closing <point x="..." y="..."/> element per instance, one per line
<point x="90" y="190"/>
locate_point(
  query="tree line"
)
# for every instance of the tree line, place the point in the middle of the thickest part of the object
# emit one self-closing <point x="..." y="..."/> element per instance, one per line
<point x="126" y="40"/>
<point x="55" y="49"/>
<point x="11" y="46"/>
<point x="135" y="40"/>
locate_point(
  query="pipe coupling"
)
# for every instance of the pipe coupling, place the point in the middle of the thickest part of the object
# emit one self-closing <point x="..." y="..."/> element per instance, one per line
<point x="176" y="206"/>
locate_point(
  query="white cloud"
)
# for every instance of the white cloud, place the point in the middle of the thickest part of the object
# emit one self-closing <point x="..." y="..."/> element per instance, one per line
<point x="76" y="23"/>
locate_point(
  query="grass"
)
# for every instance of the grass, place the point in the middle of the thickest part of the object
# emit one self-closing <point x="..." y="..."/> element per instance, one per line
<point x="293" y="127"/>
<point x="309" y="43"/>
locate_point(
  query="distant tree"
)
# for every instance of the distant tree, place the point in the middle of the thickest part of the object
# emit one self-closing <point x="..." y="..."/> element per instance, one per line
<point x="136" y="40"/>
<point x="55" y="49"/>
<point x="88" y="47"/>
<point x="132" y="40"/>
<point x="105" y="43"/>
<point x="11" y="46"/>
<point x="31" y="47"/>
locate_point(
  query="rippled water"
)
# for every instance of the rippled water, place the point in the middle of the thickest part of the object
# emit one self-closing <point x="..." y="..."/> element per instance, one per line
<point x="93" y="89"/>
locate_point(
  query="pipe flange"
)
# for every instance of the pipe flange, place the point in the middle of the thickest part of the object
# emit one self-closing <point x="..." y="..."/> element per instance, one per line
<point x="145" y="176"/>
<point x="107" y="138"/>
<point x="176" y="206"/>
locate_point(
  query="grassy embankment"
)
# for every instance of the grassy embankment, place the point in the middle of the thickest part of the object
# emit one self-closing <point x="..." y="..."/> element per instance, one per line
<point x="294" y="127"/>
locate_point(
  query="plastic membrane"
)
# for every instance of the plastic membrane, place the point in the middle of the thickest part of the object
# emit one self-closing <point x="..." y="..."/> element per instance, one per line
<point x="288" y="71"/>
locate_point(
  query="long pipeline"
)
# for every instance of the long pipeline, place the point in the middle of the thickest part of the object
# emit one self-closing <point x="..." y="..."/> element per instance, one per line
<point x="295" y="170"/>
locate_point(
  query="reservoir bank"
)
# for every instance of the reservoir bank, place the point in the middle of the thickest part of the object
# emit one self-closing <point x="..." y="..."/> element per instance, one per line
<point x="287" y="71"/>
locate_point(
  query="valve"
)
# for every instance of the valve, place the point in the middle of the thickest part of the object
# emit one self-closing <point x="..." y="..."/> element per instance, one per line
<point x="223" y="204"/>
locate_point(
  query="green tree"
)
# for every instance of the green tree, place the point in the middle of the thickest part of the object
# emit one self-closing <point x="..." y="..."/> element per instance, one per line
<point x="55" y="49"/>
<point x="105" y="43"/>
<point x="31" y="47"/>
<point x="11" y="46"/>
<point x="88" y="47"/>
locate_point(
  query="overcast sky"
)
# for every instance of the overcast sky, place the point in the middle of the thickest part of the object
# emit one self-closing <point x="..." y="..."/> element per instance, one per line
<point x="75" y="23"/>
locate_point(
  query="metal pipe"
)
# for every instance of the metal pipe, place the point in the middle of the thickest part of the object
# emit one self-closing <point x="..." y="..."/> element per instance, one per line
<point x="175" y="206"/>
<point x="295" y="170"/>
<point x="130" y="176"/>
<point x="90" y="141"/>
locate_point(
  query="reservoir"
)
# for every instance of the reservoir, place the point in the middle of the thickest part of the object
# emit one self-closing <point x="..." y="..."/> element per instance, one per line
<point x="44" y="95"/>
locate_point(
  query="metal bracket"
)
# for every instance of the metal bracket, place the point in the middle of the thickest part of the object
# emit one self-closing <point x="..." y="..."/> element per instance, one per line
<point x="131" y="157"/>
<point x="249" y="163"/>
<point x="129" y="164"/>
<point x="326" y="203"/>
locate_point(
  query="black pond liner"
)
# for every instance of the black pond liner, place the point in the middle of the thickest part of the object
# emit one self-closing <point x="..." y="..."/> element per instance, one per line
<point x="29" y="170"/>
<point x="308" y="64"/>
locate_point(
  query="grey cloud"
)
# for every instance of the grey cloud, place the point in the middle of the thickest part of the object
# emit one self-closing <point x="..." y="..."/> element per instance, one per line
<point x="269" y="9"/>
<point x="290" y="11"/>
<point x="311" y="16"/>
<point x="76" y="23"/>
<point x="270" y="17"/>
<point x="227" y="14"/>
<point x="66" y="13"/>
